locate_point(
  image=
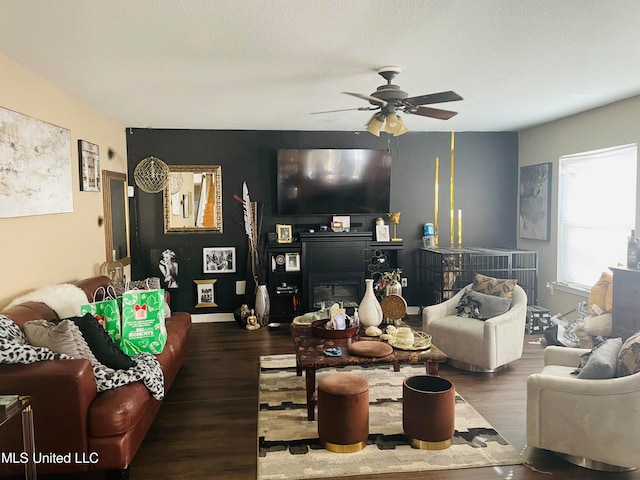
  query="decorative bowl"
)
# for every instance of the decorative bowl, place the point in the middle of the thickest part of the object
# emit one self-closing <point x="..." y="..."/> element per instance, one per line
<point x="318" y="330"/>
<point x="273" y="326"/>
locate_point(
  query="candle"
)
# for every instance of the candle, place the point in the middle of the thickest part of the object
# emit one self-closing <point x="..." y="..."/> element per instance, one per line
<point x="452" y="229"/>
<point x="451" y="183"/>
<point x="459" y="227"/>
<point x="435" y="221"/>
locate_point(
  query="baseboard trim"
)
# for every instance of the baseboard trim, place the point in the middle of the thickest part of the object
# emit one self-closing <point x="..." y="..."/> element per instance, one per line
<point x="212" y="317"/>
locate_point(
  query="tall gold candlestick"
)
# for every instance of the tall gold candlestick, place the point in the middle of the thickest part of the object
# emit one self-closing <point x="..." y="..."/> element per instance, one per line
<point x="435" y="203"/>
<point x="452" y="229"/>
<point x="451" y="183"/>
<point x="459" y="227"/>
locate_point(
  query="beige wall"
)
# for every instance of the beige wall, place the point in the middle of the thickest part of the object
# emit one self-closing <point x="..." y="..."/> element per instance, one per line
<point x="46" y="249"/>
<point x="615" y="124"/>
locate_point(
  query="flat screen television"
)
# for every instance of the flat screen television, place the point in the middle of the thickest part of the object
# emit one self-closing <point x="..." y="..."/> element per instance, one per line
<point x="333" y="181"/>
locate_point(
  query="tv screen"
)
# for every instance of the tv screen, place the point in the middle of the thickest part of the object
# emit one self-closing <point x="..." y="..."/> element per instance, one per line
<point x="333" y="181"/>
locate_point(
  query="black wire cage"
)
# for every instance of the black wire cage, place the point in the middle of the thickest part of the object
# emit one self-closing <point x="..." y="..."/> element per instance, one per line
<point x="446" y="270"/>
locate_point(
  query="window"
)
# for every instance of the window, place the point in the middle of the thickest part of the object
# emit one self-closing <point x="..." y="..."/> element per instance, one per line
<point x="596" y="212"/>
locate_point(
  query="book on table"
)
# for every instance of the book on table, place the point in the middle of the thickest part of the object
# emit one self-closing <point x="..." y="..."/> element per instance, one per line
<point x="7" y="402"/>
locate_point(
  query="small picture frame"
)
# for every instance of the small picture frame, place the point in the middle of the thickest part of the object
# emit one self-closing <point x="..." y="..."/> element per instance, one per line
<point x="292" y="262"/>
<point x="284" y="233"/>
<point x="345" y="220"/>
<point x="382" y="233"/>
<point x="337" y="227"/>
<point x="205" y="293"/>
<point x="219" y="259"/>
<point x="89" y="156"/>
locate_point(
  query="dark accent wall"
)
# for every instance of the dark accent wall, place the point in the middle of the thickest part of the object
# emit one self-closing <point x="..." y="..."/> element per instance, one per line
<point x="486" y="177"/>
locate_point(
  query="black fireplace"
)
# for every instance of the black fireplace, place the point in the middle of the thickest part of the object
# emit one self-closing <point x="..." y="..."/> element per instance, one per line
<point x="327" y="289"/>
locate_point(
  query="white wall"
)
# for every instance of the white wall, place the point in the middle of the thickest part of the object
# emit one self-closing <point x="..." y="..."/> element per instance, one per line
<point x="46" y="249"/>
<point x="615" y="124"/>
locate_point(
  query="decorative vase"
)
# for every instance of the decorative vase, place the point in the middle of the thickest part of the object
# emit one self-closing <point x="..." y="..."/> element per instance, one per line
<point x="369" y="310"/>
<point x="262" y="305"/>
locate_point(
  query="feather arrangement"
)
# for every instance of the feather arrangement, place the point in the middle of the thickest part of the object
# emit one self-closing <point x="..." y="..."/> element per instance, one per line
<point x="251" y="228"/>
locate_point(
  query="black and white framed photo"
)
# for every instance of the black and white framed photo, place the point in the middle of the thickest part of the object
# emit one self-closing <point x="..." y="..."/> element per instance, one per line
<point x="535" y="201"/>
<point x="382" y="233"/>
<point x="292" y="262"/>
<point x="205" y="293"/>
<point x="166" y="262"/>
<point x="89" y="166"/>
<point x="219" y="259"/>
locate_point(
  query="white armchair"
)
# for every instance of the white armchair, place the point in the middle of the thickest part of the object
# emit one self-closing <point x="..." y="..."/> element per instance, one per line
<point x="590" y="423"/>
<point x="478" y="345"/>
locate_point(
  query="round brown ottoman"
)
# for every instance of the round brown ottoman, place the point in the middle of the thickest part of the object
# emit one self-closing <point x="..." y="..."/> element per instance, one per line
<point x="428" y="411"/>
<point x="343" y="412"/>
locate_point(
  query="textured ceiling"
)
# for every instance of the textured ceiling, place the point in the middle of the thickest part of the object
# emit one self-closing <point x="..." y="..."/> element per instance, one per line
<point x="266" y="65"/>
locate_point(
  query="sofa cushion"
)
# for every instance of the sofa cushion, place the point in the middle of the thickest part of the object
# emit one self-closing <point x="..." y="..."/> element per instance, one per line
<point x="14" y="347"/>
<point x="489" y="306"/>
<point x="102" y="346"/>
<point x="602" y="361"/>
<point x="601" y="295"/>
<point x="629" y="356"/>
<point x="494" y="286"/>
<point x="64" y="337"/>
<point x="117" y="411"/>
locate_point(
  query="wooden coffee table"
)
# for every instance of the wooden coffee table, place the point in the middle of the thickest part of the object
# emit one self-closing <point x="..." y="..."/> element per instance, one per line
<point x="310" y="357"/>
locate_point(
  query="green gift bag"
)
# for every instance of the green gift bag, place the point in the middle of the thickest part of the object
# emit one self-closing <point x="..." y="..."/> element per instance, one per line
<point x="106" y="308"/>
<point x="143" y="325"/>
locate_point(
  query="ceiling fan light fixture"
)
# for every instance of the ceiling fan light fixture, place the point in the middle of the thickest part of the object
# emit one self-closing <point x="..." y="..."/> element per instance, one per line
<point x="402" y="128"/>
<point x="375" y="125"/>
<point x="394" y="125"/>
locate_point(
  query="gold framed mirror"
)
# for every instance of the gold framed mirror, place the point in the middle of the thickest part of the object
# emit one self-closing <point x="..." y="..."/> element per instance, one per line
<point x="193" y="199"/>
<point x="116" y="217"/>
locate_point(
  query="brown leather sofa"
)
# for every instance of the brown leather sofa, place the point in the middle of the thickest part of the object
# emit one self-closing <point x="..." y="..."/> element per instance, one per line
<point x="70" y="415"/>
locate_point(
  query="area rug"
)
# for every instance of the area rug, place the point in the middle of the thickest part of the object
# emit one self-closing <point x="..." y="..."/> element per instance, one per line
<point x="289" y="449"/>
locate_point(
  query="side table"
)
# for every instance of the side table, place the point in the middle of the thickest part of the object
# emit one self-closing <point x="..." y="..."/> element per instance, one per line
<point x="28" y="439"/>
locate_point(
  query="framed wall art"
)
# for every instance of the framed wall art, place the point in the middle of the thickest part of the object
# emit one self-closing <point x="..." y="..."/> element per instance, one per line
<point x="534" y="216"/>
<point x="219" y="259"/>
<point x="205" y="293"/>
<point x="165" y="264"/>
<point x="29" y="147"/>
<point x="89" y="156"/>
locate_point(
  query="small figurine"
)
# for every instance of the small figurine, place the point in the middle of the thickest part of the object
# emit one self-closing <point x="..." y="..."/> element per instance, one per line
<point x="252" y="321"/>
<point x="395" y="219"/>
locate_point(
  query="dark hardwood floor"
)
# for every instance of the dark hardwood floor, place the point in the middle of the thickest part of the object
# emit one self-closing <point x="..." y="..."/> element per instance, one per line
<point x="207" y="427"/>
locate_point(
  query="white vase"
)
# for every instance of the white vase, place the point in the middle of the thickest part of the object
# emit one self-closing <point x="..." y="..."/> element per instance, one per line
<point x="369" y="310"/>
<point x="262" y="305"/>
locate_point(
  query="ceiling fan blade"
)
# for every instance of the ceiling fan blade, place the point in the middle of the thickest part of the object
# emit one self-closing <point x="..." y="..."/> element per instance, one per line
<point x="433" y="98"/>
<point x="432" y="112"/>
<point x="369" y="98"/>
<point x="345" y="110"/>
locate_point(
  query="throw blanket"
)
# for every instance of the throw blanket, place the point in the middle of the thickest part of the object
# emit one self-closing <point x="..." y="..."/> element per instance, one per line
<point x="15" y="348"/>
<point x="65" y="299"/>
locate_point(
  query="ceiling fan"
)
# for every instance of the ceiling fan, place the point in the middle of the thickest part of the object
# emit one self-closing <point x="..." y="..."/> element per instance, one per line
<point x="388" y="99"/>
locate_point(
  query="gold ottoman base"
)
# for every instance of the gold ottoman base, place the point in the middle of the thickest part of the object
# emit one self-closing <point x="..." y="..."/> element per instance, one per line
<point x="424" y="445"/>
<point x="352" y="448"/>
